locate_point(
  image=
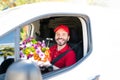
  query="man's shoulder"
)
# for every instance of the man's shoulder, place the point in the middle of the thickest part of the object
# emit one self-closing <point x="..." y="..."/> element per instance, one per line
<point x="71" y="50"/>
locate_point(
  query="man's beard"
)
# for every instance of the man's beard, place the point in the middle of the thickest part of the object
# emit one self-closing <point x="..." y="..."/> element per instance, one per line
<point x="64" y="41"/>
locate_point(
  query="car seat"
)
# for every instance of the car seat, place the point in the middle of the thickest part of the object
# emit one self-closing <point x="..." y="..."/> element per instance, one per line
<point x="76" y="42"/>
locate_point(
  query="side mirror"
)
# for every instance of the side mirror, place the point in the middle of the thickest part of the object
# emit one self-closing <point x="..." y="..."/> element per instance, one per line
<point x="23" y="70"/>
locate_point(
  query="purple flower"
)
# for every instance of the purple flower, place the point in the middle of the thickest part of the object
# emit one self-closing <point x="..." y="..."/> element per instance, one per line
<point x="29" y="56"/>
<point x="21" y="54"/>
<point x="35" y="46"/>
<point x="38" y="51"/>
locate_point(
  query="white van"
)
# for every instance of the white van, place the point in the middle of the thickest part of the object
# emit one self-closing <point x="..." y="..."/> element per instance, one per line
<point x="94" y="32"/>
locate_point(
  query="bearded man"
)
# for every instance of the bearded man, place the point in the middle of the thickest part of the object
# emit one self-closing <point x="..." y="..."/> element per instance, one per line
<point x="62" y="36"/>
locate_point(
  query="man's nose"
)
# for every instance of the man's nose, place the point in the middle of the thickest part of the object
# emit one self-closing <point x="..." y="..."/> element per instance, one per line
<point x="60" y="36"/>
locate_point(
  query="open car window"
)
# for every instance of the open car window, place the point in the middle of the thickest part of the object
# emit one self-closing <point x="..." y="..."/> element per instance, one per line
<point x="43" y="30"/>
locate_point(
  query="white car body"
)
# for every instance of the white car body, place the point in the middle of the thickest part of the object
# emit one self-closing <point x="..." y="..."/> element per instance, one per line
<point x="103" y="62"/>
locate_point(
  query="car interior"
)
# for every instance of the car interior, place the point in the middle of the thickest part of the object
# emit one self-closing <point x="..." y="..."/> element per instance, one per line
<point x="76" y="37"/>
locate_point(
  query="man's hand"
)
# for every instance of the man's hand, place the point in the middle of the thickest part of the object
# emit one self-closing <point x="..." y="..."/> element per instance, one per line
<point x="47" y="64"/>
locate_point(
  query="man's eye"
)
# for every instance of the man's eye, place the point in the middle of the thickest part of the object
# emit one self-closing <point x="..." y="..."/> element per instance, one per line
<point x="57" y="34"/>
<point x="63" y="34"/>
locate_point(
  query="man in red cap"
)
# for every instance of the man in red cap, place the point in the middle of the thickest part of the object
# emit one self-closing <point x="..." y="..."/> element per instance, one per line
<point x="62" y="35"/>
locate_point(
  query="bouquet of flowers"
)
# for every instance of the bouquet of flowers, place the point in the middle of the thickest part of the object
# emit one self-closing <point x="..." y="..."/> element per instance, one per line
<point x="35" y="51"/>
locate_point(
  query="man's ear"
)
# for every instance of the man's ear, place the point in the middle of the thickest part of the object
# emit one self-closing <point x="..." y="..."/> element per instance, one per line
<point x="68" y="37"/>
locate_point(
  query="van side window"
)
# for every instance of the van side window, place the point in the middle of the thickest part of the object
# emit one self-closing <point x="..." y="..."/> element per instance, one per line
<point x="42" y="30"/>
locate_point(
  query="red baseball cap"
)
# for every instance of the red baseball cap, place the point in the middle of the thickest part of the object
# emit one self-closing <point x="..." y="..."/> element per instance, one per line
<point x="63" y="27"/>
